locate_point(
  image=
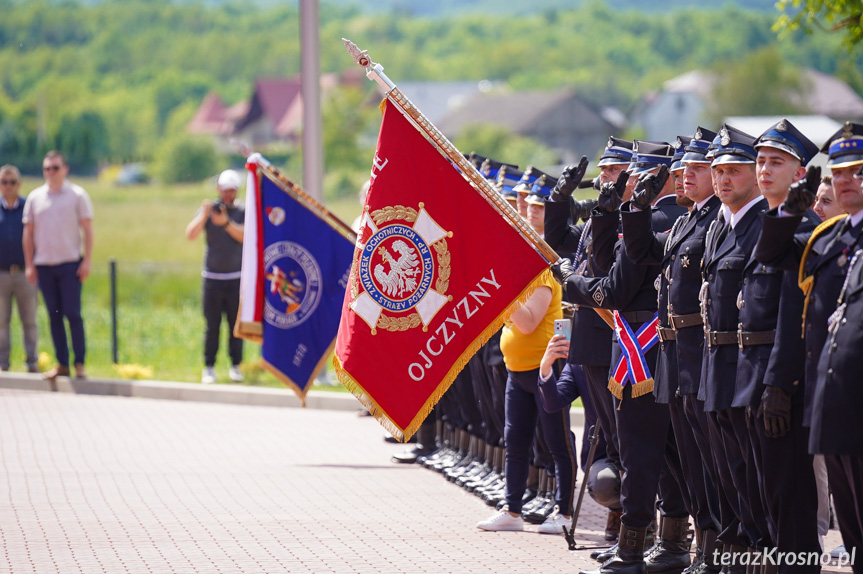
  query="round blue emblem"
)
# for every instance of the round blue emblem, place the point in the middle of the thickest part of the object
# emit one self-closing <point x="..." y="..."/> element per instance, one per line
<point x="292" y="284"/>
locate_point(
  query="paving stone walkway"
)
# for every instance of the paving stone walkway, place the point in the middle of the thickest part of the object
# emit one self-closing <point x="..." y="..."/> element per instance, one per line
<point x="111" y="484"/>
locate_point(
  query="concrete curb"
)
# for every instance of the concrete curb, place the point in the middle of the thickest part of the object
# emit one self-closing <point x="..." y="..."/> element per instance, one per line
<point x="226" y="394"/>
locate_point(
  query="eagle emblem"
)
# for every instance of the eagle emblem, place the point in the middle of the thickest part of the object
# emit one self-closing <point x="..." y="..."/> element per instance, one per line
<point x="401" y="269"/>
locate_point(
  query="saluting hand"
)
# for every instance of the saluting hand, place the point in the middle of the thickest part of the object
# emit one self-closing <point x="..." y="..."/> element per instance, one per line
<point x="611" y="194"/>
<point x="581" y="209"/>
<point x="801" y="194"/>
<point x="648" y="188"/>
<point x="569" y="180"/>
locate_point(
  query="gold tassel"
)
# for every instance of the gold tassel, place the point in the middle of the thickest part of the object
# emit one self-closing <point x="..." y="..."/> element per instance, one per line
<point x="642" y="388"/>
<point x="806" y="282"/>
<point x="615" y="388"/>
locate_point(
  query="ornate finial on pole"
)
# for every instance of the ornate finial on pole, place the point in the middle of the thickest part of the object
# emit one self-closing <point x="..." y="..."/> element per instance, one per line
<point x="241" y="147"/>
<point x="373" y="71"/>
<point x="360" y="57"/>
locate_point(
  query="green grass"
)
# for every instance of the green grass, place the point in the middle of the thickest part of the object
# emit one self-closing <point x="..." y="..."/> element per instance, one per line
<point x="160" y="323"/>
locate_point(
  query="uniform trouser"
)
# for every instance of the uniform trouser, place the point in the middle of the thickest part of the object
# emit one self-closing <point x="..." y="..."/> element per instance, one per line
<point x="726" y="458"/>
<point x="741" y="483"/>
<point x="693" y="481"/>
<point x="696" y="435"/>
<point x="470" y="418"/>
<point x="61" y="290"/>
<point x="749" y="490"/>
<point x="497" y="378"/>
<point x="479" y="376"/>
<point x="523" y="408"/>
<point x="221" y="297"/>
<point x="845" y="473"/>
<point x="672" y="482"/>
<point x="15" y="286"/>
<point x="643" y="427"/>
<point x="597" y="386"/>
<point x="789" y="494"/>
<point x="590" y="417"/>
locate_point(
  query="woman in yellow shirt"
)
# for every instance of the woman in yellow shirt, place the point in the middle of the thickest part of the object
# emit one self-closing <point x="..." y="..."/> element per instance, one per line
<point x="523" y="344"/>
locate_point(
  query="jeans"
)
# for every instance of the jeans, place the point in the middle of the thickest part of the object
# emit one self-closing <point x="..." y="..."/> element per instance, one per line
<point x="61" y="290"/>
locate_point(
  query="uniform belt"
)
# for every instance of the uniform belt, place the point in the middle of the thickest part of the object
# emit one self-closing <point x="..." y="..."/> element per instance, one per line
<point x="666" y="334"/>
<point x="721" y="338"/>
<point x="13" y="269"/>
<point x="637" y="316"/>
<point x="747" y="338"/>
<point x="682" y="321"/>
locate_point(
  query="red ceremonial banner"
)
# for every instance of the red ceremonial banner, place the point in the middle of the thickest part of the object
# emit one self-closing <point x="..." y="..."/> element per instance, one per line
<point x="436" y="270"/>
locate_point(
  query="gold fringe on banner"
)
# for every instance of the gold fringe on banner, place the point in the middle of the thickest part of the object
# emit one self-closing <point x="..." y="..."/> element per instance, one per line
<point x="288" y="382"/>
<point x="404" y="434"/>
<point x="615" y="388"/>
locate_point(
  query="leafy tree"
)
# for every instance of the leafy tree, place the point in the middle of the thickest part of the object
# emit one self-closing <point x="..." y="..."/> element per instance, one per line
<point x="499" y="143"/>
<point x="845" y="16"/>
<point x="186" y="158"/>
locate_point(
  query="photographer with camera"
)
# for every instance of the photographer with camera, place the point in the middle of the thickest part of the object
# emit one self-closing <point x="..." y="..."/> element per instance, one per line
<point x="222" y="220"/>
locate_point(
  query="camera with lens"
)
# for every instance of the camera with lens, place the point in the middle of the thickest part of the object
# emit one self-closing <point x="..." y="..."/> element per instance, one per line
<point x="219" y="205"/>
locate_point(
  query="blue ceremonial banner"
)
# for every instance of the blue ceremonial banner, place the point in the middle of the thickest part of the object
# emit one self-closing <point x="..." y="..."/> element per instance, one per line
<point x="296" y="263"/>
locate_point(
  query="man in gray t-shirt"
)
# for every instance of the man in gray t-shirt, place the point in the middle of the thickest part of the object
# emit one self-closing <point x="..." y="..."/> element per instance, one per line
<point x="222" y="222"/>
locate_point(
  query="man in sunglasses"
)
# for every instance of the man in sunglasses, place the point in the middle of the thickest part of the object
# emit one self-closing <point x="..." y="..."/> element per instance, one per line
<point x="56" y="215"/>
<point x="13" y="283"/>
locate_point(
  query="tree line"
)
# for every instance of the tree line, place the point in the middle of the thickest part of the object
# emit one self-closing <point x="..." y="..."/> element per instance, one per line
<point x="118" y="80"/>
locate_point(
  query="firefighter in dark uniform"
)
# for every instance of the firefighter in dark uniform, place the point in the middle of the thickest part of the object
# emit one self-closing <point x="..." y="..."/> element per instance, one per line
<point x="728" y="245"/>
<point x="771" y="359"/>
<point x="591" y="337"/>
<point x="643" y="425"/>
<point x="823" y="258"/>
<point x="681" y="334"/>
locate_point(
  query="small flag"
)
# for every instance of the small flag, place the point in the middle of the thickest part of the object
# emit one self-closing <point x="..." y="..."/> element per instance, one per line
<point x="436" y="270"/>
<point x="296" y="262"/>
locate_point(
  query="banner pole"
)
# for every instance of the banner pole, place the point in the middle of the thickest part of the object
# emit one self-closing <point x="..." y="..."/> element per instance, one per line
<point x="375" y="72"/>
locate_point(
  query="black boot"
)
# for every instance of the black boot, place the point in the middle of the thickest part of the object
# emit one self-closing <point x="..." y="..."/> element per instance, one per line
<point x="711" y="562"/>
<point x="699" y="552"/>
<point x="630" y="554"/>
<point x="670" y="555"/>
<point x="603" y="556"/>
<point x="612" y="525"/>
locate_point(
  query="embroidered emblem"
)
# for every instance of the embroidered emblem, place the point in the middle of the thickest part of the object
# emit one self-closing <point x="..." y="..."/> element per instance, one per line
<point x="295" y="284"/>
<point x="598" y="296"/>
<point x="400" y="268"/>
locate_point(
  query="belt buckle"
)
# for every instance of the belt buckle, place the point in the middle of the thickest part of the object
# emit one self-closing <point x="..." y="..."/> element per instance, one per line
<point x="14" y="269"/>
<point x="740" y="336"/>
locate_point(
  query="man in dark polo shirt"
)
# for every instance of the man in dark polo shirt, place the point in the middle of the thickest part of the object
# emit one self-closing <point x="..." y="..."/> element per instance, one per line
<point x="222" y="222"/>
<point x="13" y="282"/>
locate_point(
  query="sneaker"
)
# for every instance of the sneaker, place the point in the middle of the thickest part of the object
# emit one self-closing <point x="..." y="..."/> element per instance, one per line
<point x="501" y="520"/>
<point x="208" y="376"/>
<point x="555" y="522"/>
<point x="235" y="375"/>
<point x="838" y="551"/>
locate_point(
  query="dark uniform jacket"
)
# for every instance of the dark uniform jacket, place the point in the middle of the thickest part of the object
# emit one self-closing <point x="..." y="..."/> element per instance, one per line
<point x="838" y="396"/>
<point x="679" y="254"/>
<point x="591" y="336"/>
<point x="827" y="262"/>
<point x="727" y="251"/>
<point x="770" y="302"/>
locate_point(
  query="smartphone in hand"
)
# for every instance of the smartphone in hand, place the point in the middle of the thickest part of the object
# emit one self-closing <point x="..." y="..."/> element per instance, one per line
<point x="563" y="327"/>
